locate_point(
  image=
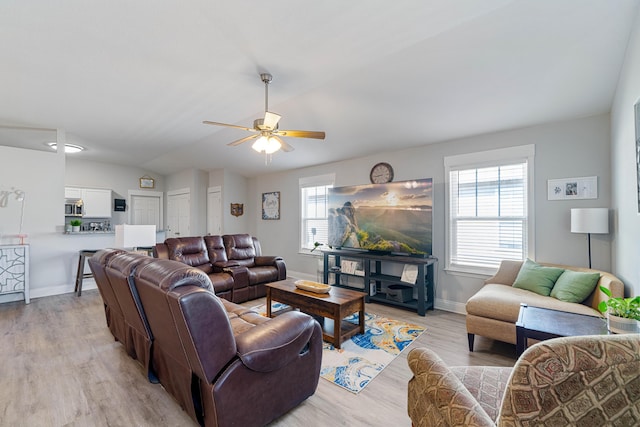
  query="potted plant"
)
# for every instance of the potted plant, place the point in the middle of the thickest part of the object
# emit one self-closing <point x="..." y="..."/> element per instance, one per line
<point x="623" y="314"/>
<point x="75" y="225"/>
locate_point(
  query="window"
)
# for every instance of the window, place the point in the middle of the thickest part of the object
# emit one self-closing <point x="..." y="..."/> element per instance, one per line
<point x="489" y="209"/>
<point x="313" y="210"/>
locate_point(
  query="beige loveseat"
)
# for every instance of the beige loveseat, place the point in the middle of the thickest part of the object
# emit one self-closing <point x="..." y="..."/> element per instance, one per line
<point x="493" y="311"/>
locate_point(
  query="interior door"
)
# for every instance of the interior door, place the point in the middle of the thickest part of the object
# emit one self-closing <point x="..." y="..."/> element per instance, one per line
<point x="179" y="214"/>
<point x="145" y="210"/>
<point x="214" y="211"/>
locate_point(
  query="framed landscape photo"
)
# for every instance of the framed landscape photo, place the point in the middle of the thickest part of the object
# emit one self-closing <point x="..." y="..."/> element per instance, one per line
<point x="271" y="205"/>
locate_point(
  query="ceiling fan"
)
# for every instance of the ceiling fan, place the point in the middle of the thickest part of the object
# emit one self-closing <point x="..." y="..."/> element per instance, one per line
<point x="265" y="130"/>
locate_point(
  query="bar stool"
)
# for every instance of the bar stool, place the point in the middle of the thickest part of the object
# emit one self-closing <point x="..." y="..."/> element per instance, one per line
<point x="84" y="254"/>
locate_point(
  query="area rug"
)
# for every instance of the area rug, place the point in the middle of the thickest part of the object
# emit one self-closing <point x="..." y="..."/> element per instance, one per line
<point x="361" y="358"/>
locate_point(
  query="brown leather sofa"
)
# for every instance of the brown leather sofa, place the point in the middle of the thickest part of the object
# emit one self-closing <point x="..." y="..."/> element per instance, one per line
<point x="223" y="363"/>
<point x="234" y="263"/>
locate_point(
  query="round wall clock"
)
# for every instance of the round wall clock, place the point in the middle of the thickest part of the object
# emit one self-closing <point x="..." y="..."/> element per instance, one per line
<point x="381" y="173"/>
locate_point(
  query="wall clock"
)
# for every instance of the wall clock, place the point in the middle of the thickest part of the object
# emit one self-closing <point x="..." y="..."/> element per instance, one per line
<point x="381" y="173"/>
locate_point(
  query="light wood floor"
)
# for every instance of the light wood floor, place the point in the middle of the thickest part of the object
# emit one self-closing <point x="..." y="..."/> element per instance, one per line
<point x="59" y="366"/>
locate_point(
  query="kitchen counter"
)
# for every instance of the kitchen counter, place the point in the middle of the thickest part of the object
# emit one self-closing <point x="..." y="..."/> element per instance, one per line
<point x="75" y="233"/>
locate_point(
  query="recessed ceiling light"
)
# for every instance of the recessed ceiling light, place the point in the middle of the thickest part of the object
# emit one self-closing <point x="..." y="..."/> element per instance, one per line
<point x="68" y="148"/>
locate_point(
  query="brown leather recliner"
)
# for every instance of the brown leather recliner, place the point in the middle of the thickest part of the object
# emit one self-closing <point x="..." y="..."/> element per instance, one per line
<point x="223" y="363"/>
<point x="245" y="250"/>
<point x="234" y="263"/>
<point x="193" y="251"/>
<point x="112" y="309"/>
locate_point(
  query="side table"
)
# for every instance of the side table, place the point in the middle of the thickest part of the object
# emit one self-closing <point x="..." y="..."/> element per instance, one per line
<point x="542" y="324"/>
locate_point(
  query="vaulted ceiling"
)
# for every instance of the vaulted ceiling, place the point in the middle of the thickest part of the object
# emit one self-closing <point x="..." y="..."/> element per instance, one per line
<point x="132" y="81"/>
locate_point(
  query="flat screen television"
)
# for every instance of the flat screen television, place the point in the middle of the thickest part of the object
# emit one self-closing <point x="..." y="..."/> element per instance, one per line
<point x="389" y="218"/>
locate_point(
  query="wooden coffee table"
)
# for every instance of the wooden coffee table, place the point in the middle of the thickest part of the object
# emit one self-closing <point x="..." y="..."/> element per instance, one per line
<point x="542" y="324"/>
<point x="332" y="308"/>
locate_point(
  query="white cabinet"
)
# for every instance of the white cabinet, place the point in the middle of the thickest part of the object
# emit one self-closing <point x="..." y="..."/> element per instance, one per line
<point x="96" y="201"/>
<point x="72" y="193"/>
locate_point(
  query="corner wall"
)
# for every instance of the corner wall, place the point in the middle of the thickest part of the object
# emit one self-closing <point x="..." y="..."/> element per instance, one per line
<point x="626" y="242"/>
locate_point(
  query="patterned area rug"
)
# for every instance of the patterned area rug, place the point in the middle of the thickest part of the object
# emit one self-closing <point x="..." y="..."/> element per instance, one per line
<point x="361" y="358"/>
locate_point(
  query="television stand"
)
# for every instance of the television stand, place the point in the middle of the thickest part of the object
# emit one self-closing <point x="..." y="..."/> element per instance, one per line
<point x="376" y="283"/>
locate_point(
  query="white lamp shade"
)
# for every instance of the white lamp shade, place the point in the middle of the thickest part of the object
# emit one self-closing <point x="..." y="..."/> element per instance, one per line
<point x="590" y="220"/>
<point x="135" y="236"/>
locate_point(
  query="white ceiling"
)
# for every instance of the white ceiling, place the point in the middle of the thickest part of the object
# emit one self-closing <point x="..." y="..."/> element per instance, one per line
<point x="133" y="80"/>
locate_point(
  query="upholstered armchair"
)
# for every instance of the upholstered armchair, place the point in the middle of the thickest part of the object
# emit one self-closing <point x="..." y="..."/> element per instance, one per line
<point x="573" y="381"/>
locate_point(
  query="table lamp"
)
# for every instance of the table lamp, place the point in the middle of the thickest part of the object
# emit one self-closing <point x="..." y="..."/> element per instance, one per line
<point x="590" y="221"/>
<point x="135" y="236"/>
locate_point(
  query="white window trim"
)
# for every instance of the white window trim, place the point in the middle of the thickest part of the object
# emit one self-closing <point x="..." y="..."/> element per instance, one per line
<point x="491" y="158"/>
<point x="310" y="181"/>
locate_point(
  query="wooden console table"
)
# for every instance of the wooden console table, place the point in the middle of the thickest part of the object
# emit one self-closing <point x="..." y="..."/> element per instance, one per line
<point x="14" y="270"/>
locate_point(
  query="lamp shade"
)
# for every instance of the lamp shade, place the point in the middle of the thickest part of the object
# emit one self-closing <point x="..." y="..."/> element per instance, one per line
<point x="590" y="220"/>
<point x="135" y="236"/>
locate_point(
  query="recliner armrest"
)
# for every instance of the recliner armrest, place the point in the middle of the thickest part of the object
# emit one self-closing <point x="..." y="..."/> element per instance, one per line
<point x="219" y="266"/>
<point x="276" y="261"/>
<point x="271" y="345"/>
<point x="267" y="260"/>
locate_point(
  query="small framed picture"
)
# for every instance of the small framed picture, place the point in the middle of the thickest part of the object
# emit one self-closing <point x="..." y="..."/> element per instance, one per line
<point x="271" y="205"/>
<point x="147" y="182"/>
<point x="572" y="188"/>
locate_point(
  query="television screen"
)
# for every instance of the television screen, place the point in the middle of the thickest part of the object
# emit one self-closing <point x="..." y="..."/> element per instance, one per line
<point x="395" y="217"/>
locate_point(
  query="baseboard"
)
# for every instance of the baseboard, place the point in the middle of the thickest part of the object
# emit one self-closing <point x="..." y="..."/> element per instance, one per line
<point x="87" y="284"/>
<point x="452" y="306"/>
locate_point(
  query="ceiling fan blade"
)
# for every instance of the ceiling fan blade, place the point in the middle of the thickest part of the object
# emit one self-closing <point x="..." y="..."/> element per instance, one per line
<point x="271" y="120"/>
<point x="241" y="140"/>
<point x="301" y="133"/>
<point x="207" y="122"/>
<point x="285" y="147"/>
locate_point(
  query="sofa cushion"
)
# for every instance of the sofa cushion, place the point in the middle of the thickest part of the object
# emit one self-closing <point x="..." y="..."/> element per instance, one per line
<point x="502" y="302"/>
<point x="536" y="278"/>
<point x="486" y="383"/>
<point x="574" y="286"/>
<point x="191" y="251"/>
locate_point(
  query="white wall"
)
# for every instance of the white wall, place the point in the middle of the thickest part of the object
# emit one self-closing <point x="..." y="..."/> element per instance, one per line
<point x="41" y="175"/>
<point x="626" y="242"/>
<point x="234" y="190"/>
<point x="120" y="179"/>
<point x="575" y="148"/>
<point x="197" y="182"/>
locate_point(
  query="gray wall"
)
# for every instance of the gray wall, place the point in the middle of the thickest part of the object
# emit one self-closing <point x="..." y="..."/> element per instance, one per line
<point x="576" y="148"/>
<point x="626" y="236"/>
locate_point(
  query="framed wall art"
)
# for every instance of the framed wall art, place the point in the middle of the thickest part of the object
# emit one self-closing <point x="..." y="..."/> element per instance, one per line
<point x="572" y="188"/>
<point x="147" y="182"/>
<point x="271" y="205"/>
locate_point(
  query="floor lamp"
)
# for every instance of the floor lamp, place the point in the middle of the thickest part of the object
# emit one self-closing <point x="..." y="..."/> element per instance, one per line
<point x="590" y="221"/>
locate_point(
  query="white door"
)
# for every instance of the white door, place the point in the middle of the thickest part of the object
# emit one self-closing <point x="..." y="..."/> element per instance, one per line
<point x="145" y="210"/>
<point x="214" y="211"/>
<point x="178" y="214"/>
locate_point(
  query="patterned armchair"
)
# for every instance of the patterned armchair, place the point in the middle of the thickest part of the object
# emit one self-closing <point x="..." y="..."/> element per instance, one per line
<point x="585" y="381"/>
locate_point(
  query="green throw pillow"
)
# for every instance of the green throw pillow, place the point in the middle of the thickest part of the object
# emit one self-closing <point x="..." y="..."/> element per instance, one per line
<point x="574" y="286"/>
<point x="536" y="278"/>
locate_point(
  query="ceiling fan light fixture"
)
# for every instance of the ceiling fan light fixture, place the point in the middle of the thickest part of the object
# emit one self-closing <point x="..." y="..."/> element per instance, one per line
<point x="267" y="145"/>
<point x="68" y="148"/>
